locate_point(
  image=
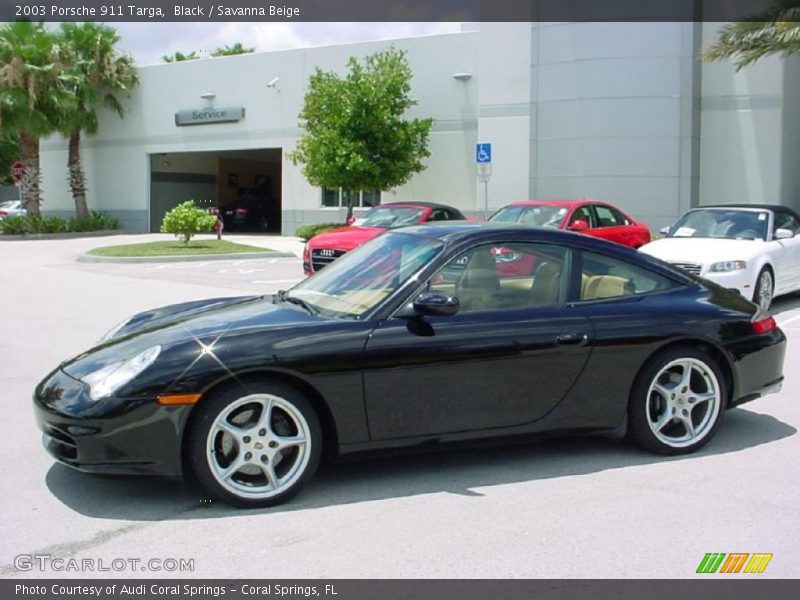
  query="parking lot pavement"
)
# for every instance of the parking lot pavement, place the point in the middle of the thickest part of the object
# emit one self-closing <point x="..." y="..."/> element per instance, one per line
<point x="585" y="507"/>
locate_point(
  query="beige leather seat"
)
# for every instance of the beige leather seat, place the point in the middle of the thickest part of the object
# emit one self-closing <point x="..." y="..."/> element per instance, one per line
<point x="546" y="284"/>
<point x="605" y="286"/>
<point x="479" y="283"/>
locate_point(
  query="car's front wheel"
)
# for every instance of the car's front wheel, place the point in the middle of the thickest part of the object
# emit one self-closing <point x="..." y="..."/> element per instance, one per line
<point x="762" y="295"/>
<point x="677" y="402"/>
<point x="255" y="447"/>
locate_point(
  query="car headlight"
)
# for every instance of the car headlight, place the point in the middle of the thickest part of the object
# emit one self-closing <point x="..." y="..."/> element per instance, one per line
<point x="110" y="378"/>
<point x="728" y="265"/>
<point x="113" y="331"/>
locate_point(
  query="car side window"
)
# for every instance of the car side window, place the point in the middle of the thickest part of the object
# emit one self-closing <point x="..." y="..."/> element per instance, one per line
<point x="785" y="220"/>
<point x="504" y="277"/>
<point x="608" y="277"/>
<point x="439" y="215"/>
<point x="608" y="217"/>
<point x="584" y="213"/>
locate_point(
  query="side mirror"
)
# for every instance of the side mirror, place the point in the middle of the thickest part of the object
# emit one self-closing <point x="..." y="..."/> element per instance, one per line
<point x="579" y="225"/>
<point x="664" y="230"/>
<point x="437" y="304"/>
<point x="783" y="234"/>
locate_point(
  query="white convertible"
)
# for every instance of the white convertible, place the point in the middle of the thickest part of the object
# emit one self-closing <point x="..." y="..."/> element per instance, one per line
<point x="753" y="249"/>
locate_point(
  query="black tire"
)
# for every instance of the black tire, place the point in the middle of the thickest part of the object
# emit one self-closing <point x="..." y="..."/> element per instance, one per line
<point x="245" y="439"/>
<point x="764" y="302"/>
<point x="658" y="394"/>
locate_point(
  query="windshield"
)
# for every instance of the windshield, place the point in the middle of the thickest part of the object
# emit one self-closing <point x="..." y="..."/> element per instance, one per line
<point x="361" y="279"/>
<point x="729" y="224"/>
<point x="537" y="215"/>
<point x="390" y="217"/>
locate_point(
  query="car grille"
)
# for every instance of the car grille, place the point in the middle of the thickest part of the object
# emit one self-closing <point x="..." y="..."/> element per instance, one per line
<point x="322" y="257"/>
<point x="693" y="268"/>
<point x="59" y="443"/>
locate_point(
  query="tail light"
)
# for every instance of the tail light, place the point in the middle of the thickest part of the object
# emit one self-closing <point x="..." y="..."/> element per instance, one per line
<point x="763" y="326"/>
<point x="307" y="254"/>
<point x="242" y="211"/>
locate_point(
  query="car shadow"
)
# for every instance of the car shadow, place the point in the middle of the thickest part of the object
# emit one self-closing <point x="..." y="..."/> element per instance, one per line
<point x="340" y="483"/>
<point x="783" y="304"/>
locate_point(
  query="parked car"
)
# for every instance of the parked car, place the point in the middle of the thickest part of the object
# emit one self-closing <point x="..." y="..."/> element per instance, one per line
<point x="377" y="351"/>
<point x="323" y="249"/>
<point x="12" y="208"/>
<point x="753" y="249"/>
<point x="591" y="217"/>
<point x="247" y="212"/>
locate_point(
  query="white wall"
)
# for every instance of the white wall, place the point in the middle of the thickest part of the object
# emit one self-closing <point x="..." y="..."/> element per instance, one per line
<point x="742" y="125"/>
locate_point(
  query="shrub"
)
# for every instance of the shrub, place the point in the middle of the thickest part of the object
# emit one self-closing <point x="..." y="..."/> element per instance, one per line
<point x="14" y="225"/>
<point x="306" y="232"/>
<point x="185" y="220"/>
<point x="17" y="225"/>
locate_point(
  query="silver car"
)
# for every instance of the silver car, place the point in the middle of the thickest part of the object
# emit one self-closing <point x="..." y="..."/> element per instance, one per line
<point x="12" y="208"/>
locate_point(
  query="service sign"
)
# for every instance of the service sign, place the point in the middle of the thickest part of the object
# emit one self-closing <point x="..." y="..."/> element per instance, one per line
<point x="211" y="114"/>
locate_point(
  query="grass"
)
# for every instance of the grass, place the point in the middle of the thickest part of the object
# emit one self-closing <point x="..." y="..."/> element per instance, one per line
<point x="176" y="248"/>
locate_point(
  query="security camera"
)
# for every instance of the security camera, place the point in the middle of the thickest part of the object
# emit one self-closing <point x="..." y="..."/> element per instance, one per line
<point x="273" y="81"/>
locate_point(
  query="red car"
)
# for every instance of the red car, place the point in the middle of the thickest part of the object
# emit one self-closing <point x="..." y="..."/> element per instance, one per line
<point x="592" y="217"/>
<point x="323" y="249"/>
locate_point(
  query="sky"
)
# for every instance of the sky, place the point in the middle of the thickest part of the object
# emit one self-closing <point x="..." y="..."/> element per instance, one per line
<point x="148" y="42"/>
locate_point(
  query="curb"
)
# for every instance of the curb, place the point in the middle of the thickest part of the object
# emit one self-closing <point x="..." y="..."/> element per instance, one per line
<point x="62" y="236"/>
<point x="89" y="258"/>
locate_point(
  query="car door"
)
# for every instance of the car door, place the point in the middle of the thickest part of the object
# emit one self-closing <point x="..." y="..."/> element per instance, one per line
<point x="611" y="225"/>
<point x="786" y="252"/>
<point x="508" y="356"/>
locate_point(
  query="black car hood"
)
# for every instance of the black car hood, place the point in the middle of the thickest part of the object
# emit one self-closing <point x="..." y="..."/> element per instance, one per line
<point x="193" y="323"/>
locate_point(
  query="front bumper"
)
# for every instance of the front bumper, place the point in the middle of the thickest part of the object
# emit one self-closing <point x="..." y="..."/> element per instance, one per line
<point x="740" y="281"/>
<point x="109" y="436"/>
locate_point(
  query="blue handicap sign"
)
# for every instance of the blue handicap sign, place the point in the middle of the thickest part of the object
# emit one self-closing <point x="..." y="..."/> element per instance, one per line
<point x="483" y="153"/>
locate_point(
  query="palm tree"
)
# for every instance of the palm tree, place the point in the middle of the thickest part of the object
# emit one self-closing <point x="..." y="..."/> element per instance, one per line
<point x="233" y="50"/>
<point x="774" y="31"/>
<point x="98" y="75"/>
<point x="31" y="93"/>
<point x="180" y="57"/>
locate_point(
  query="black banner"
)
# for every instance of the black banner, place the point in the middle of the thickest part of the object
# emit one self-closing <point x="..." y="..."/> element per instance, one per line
<point x="371" y="10"/>
<point x="735" y="588"/>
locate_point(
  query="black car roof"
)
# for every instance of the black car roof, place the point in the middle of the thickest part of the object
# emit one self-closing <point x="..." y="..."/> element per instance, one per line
<point x="455" y="232"/>
<point x="415" y="203"/>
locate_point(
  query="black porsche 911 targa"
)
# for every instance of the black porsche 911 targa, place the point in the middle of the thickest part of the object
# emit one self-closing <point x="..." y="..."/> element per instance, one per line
<point x="433" y="333"/>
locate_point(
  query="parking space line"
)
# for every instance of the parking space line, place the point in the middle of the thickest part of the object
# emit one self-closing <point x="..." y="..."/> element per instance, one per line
<point x="789" y="320"/>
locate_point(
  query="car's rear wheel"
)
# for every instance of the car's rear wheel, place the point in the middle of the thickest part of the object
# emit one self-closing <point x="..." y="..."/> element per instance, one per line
<point x="762" y="295"/>
<point x="677" y="402"/>
<point x="256" y="447"/>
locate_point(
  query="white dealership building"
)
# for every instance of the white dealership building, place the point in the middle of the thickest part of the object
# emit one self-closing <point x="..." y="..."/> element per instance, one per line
<point x="623" y="112"/>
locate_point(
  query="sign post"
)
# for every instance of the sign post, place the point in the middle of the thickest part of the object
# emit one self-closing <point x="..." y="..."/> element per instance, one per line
<point x="483" y="159"/>
<point x="17" y="171"/>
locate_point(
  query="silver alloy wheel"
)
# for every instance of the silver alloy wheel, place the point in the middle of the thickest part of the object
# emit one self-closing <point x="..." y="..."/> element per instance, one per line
<point x="764" y="289"/>
<point x="683" y="402"/>
<point x="259" y="446"/>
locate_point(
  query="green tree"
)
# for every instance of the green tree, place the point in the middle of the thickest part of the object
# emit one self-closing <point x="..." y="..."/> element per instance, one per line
<point x="180" y="57"/>
<point x="774" y="31"/>
<point x="232" y="50"/>
<point x="32" y="91"/>
<point x="186" y="220"/>
<point x="99" y="76"/>
<point x="9" y="154"/>
<point x="355" y="136"/>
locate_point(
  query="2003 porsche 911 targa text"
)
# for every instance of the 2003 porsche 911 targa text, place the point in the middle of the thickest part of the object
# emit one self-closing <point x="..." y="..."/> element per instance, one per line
<point x="417" y="337"/>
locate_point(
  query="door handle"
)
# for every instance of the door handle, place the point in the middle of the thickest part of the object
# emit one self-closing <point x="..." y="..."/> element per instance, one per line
<point x="572" y="339"/>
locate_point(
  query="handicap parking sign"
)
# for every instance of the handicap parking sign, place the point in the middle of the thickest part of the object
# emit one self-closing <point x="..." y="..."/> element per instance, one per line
<point x="483" y="153"/>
